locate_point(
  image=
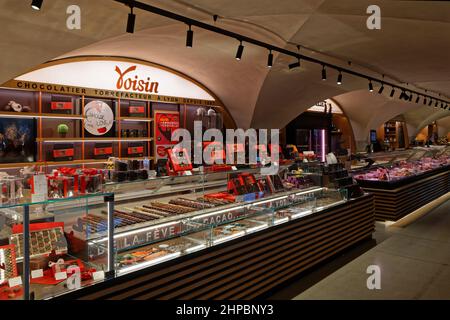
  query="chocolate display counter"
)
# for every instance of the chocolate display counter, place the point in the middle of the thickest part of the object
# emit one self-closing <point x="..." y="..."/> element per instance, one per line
<point x="186" y="237"/>
<point x="403" y="186"/>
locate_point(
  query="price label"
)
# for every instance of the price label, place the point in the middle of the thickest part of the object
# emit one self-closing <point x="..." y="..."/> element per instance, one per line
<point x="98" y="275"/>
<point x="60" y="275"/>
<point x="14" y="282"/>
<point x="234" y="168"/>
<point x="39" y="273"/>
<point x="188" y="173"/>
<point x="40" y="188"/>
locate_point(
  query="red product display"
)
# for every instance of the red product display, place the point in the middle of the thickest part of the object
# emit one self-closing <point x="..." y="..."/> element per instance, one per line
<point x="8" y="266"/>
<point x="54" y="106"/>
<point x="136" y="151"/>
<point x="178" y="161"/>
<point x="63" y="154"/>
<point x="136" y="111"/>
<point x="103" y="151"/>
<point x="243" y="183"/>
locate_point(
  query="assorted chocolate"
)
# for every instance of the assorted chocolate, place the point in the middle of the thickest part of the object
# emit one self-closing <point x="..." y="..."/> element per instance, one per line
<point x="42" y="242"/>
<point x="148" y="212"/>
<point x="154" y="251"/>
<point x="8" y="267"/>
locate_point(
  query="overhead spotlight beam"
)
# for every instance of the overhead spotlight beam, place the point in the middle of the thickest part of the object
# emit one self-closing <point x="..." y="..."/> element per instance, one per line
<point x="213" y="28"/>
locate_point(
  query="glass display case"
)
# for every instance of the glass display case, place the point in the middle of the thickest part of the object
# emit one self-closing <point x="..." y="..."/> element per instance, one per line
<point x="181" y="218"/>
<point x="420" y="163"/>
<point x="52" y="247"/>
<point x="44" y="249"/>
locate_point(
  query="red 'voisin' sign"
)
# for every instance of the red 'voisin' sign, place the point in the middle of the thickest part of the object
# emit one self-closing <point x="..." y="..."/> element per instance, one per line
<point x="127" y="81"/>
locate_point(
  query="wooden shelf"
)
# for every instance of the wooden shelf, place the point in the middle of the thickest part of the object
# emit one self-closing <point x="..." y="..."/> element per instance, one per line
<point x="39" y="115"/>
<point x="135" y="119"/>
<point x="69" y="140"/>
<point x="58" y="163"/>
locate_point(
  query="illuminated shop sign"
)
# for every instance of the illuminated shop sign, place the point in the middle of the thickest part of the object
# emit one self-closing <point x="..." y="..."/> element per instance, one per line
<point x="114" y="78"/>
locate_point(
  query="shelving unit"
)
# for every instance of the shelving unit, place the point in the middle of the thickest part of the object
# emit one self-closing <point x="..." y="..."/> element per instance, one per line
<point x="46" y="122"/>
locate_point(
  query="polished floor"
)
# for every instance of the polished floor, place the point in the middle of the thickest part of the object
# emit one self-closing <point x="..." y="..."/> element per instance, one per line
<point x="414" y="263"/>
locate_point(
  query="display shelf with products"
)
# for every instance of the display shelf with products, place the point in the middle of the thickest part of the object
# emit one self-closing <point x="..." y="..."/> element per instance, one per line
<point x="404" y="186"/>
<point x="49" y="121"/>
<point x="50" y="255"/>
<point x="186" y="222"/>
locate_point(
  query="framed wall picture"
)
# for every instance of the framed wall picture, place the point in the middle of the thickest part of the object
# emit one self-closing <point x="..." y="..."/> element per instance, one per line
<point x="99" y="118"/>
<point x="17" y="140"/>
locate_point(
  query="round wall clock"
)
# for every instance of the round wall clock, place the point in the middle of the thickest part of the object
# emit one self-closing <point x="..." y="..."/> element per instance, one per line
<point x="99" y="118"/>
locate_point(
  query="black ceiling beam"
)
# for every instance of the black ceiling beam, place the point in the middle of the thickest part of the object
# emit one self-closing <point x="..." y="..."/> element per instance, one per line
<point x="269" y="47"/>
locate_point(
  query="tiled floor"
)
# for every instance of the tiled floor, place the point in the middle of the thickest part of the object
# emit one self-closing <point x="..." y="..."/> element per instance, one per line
<point x="414" y="263"/>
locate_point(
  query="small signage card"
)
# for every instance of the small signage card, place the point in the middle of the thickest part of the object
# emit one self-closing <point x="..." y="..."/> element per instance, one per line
<point x="40" y="188"/>
<point x="14" y="282"/>
<point x="60" y="275"/>
<point x="39" y="273"/>
<point x="98" y="275"/>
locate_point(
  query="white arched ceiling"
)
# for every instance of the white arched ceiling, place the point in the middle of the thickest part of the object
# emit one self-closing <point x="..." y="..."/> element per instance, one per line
<point x="411" y="47"/>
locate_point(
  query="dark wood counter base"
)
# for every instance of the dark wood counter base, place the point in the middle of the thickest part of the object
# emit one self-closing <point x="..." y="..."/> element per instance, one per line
<point x="392" y="205"/>
<point x="247" y="267"/>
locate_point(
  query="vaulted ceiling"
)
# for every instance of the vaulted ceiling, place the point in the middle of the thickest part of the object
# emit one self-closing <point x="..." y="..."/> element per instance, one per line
<point x="411" y="48"/>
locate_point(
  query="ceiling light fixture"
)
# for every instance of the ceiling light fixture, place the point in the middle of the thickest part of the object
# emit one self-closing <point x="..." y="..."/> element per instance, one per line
<point x="381" y="89"/>
<point x="227" y="33"/>
<point x="431" y="101"/>
<point x="270" y="59"/>
<point x="239" y="52"/>
<point x="339" y="79"/>
<point x="189" y="37"/>
<point x="392" y="92"/>
<point x="324" y="73"/>
<point x="295" y="64"/>
<point x="36" y="4"/>
<point x="418" y="99"/>
<point x="370" y="86"/>
<point x="131" y="20"/>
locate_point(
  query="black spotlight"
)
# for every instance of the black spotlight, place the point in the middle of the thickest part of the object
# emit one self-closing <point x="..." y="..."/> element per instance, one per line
<point x="424" y="100"/>
<point x="36" y="4"/>
<point x="381" y="89"/>
<point x="436" y="104"/>
<point x="324" y="73"/>
<point x="295" y="64"/>
<point x="239" y="52"/>
<point x="270" y="59"/>
<point x="410" y="97"/>
<point x="131" y="21"/>
<point x="392" y="92"/>
<point x="339" y="79"/>
<point x="417" y="99"/>
<point x="402" y="95"/>
<point x="370" y="86"/>
<point x="189" y="37"/>
<point x="431" y="101"/>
